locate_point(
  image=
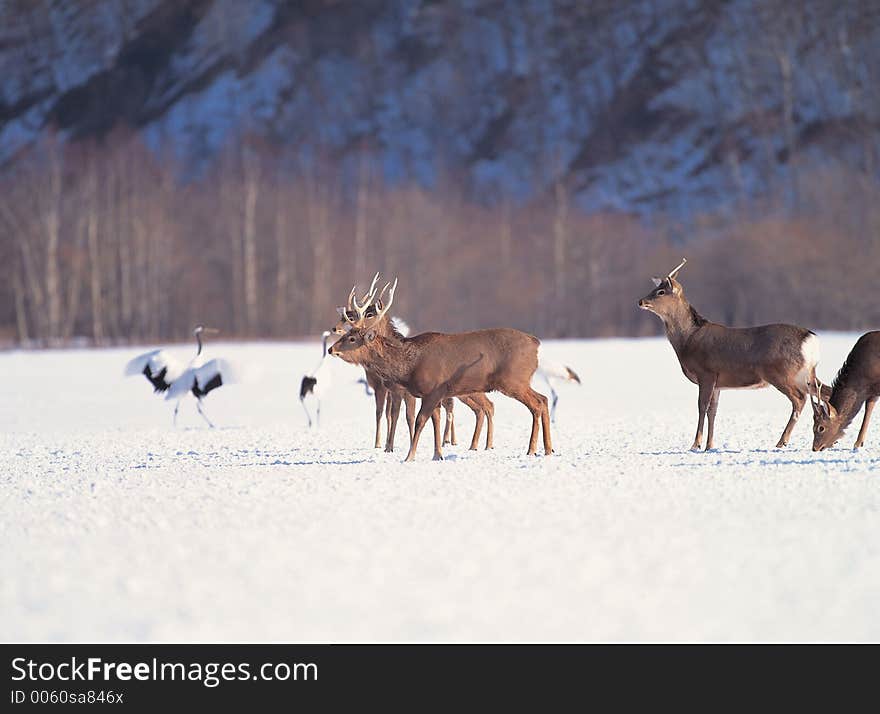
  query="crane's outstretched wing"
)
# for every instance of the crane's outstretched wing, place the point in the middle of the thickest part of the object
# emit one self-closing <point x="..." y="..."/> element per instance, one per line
<point x="201" y="380"/>
<point x="550" y="369"/>
<point x="157" y="366"/>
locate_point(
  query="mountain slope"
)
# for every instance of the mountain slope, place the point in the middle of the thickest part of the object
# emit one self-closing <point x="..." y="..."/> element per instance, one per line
<point x="673" y="105"/>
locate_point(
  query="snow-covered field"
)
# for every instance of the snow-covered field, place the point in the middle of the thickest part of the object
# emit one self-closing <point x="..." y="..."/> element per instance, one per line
<point x="116" y="526"/>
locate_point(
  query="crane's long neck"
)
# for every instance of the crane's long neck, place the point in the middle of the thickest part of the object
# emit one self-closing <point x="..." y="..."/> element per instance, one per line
<point x="199" y="342"/>
<point x="324" y="342"/>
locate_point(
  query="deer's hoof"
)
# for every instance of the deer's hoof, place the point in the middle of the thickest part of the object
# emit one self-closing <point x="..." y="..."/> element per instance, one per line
<point x="781" y="444"/>
<point x="438" y="457"/>
<point x="696" y="448"/>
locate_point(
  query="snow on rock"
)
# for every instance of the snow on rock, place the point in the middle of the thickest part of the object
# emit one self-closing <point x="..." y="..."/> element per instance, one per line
<point x="116" y="526"/>
<point x="672" y="107"/>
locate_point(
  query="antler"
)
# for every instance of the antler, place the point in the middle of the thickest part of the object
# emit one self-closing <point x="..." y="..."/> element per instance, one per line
<point x="674" y="271"/>
<point x="365" y="300"/>
<point x="370" y="292"/>
<point x="360" y="309"/>
<point x="817" y="403"/>
<point x="380" y="312"/>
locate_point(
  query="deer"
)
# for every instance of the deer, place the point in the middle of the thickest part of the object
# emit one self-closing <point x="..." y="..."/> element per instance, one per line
<point x="435" y="366"/>
<point x="716" y="357"/>
<point x="389" y="396"/>
<point x="857" y="383"/>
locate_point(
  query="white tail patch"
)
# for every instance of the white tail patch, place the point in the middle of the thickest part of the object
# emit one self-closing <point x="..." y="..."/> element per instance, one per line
<point x="811" y="353"/>
<point x="810" y="350"/>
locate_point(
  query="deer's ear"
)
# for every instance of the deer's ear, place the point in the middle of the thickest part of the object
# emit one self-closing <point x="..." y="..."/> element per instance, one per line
<point x="340" y="311"/>
<point x="657" y="281"/>
<point x="370" y="336"/>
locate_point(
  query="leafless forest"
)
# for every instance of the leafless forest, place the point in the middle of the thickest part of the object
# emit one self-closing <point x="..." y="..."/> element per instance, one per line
<point x="105" y="240"/>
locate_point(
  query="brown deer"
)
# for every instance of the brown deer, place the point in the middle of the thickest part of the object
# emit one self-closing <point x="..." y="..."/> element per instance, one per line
<point x="389" y="396"/>
<point x="857" y="383"/>
<point x="435" y="366"/>
<point x="717" y="357"/>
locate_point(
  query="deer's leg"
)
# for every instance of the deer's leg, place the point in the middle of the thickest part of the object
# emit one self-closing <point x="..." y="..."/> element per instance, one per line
<point x="388" y="403"/>
<point x="537" y="405"/>
<point x="798" y="398"/>
<point x="545" y="424"/>
<point x="394" y="400"/>
<point x="713" y="409"/>
<point x="489" y="408"/>
<point x="474" y="405"/>
<point x="410" y="402"/>
<point x="449" y="431"/>
<point x="705" y="396"/>
<point x="379" y="393"/>
<point x="429" y="405"/>
<point x="438" y="439"/>
<point x="869" y="407"/>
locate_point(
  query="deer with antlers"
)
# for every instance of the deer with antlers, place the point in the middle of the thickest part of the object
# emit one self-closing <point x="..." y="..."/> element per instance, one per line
<point x="436" y="366"/>
<point x="389" y="395"/>
<point x="857" y="383"/>
<point x="717" y="357"/>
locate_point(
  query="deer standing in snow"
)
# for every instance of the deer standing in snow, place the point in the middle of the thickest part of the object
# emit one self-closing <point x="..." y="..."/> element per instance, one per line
<point x="389" y="395"/>
<point x="436" y="366"/>
<point x="717" y="357"/>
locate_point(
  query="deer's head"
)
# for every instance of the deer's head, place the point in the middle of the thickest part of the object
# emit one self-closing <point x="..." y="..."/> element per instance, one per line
<point x="667" y="295"/>
<point x="358" y="315"/>
<point x="360" y="335"/>
<point x="828" y="425"/>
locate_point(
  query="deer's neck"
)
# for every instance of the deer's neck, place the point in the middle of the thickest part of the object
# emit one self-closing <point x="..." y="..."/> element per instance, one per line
<point x="392" y="358"/>
<point x="681" y="323"/>
<point x="846" y="399"/>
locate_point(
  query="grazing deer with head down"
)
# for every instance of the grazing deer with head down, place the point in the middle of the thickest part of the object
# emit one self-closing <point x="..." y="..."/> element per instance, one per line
<point x="717" y="357"/>
<point x="435" y="366"/>
<point x="389" y="395"/>
<point x="857" y="383"/>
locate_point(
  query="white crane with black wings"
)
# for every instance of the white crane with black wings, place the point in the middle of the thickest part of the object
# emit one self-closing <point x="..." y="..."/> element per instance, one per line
<point x="175" y="380"/>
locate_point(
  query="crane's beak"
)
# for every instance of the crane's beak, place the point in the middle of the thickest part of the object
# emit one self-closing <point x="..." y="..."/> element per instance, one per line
<point x="210" y="330"/>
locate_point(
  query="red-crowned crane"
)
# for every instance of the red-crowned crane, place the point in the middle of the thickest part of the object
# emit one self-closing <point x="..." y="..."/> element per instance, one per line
<point x="175" y="380"/>
<point x="550" y="372"/>
<point x="316" y="384"/>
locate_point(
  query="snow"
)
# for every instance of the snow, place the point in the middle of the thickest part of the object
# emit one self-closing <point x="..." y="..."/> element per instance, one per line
<point x="116" y="526"/>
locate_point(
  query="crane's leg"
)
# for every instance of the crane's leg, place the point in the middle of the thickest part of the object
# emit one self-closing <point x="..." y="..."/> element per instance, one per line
<point x="308" y="416"/>
<point x="176" y="408"/>
<point x="318" y="414"/>
<point x="555" y="398"/>
<point x="204" y="416"/>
